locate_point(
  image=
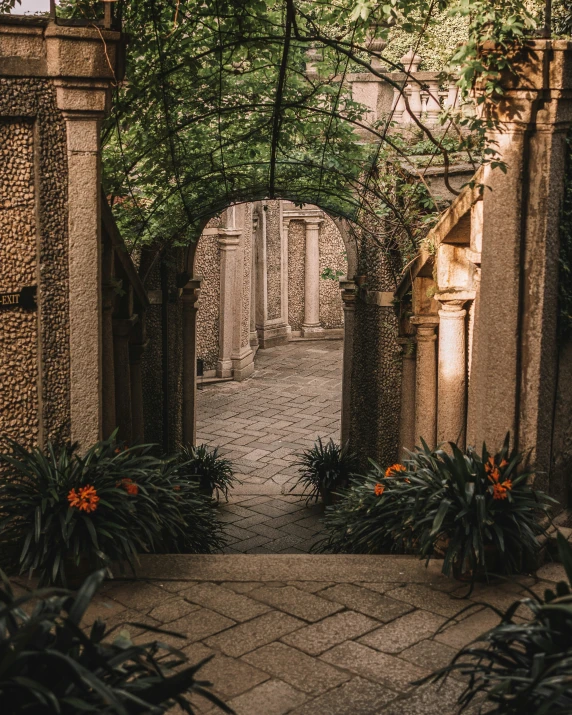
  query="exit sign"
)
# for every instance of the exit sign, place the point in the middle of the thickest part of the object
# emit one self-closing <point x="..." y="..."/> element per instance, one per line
<point x="24" y="298"/>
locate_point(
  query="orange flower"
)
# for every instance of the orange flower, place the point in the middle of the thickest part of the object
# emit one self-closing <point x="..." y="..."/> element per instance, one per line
<point x="379" y="489"/>
<point x="503" y="464"/>
<point x="84" y="500"/>
<point x="394" y="470"/>
<point x="177" y="488"/>
<point x="499" y="491"/>
<point x="507" y="484"/>
<point x="490" y="465"/>
<point x="494" y="475"/>
<point x="129" y="486"/>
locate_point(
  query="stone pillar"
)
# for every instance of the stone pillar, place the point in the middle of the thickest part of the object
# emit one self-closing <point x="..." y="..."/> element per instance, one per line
<point x="121" y="334"/>
<point x="190" y="297"/>
<point x="426" y="380"/>
<point x="407" y="434"/>
<point x="253" y="279"/>
<point x="241" y="356"/>
<point x="311" y="324"/>
<point x="136" y="350"/>
<point x="82" y="63"/>
<point x="85" y="284"/>
<point x="348" y="288"/>
<point x="228" y="244"/>
<point x="452" y="373"/>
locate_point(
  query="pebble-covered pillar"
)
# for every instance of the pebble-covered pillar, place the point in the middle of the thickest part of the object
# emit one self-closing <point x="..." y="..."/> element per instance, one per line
<point x="190" y="297"/>
<point x="311" y="322"/>
<point x="426" y="379"/>
<point x="407" y="415"/>
<point x="228" y="244"/>
<point x="452" y="373"/>
<point x="348" y="288"/>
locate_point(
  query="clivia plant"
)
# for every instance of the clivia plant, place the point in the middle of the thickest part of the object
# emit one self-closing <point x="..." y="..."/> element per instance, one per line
<point x="324" y="470"/>
<point x="464" y="506"/>
<point x="51" y="665"/>
<point x="61" y="511"/>
<point x="207" y="468"/>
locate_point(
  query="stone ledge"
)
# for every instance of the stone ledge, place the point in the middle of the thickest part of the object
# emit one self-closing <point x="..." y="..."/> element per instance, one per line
<point x="333" y="568"/>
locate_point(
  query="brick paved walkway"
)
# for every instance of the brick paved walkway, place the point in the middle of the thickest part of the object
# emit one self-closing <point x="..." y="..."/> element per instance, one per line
<point x="261" y="424"/>
<point x="314" y="635"/>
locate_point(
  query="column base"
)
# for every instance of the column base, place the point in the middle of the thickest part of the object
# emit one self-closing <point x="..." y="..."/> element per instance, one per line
<point x="312" y="330"/>
<point x="242" y="364"/>
<point x="224" y="368"/>
<point x="270" y="336"/>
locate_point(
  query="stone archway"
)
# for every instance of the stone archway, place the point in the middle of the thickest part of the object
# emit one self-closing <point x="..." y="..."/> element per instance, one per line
<point x="239" y="296"/>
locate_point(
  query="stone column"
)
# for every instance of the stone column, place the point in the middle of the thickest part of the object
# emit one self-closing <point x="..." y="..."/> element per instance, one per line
<point x="190" y="297"/>
<point x="228" y="244"/>
<point x="82" y="62"/>
<point x="253" y="279"/>
<point x="426" y="380"/>
<point x="407" y="435"/>
<point x="85" y="284"/>
<point x="452" y="373"/>
<point x="121" y="333"/>
<point x="348" y="288"/>
<point x="311" y="324"/>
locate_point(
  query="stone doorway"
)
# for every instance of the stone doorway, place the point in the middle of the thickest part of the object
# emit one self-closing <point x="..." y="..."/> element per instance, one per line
<point x="262" y="423"/>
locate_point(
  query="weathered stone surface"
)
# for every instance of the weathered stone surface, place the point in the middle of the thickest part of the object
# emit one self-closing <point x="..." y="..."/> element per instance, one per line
<point x="172" y="609"/>
<point x="404" y="632"/>
<point x="200" y="624"/>
<point x="428" y="700"/>
<point x="422" y="596"/>
<point x="250" y="635"/>
<point x="231" y="676"/>
<point x="393" y="673"/>
<point x="370" y="603"/>
<point x="300" y="670"/>
<point x="298" y="603"/>
<point x="358" y="697"/>
<point x="274" y="697"/>
<point x="431" y="652"/>
<point x="459" y="634"/>
<point x="318" y="637"/>
<point x="225" y="601"/>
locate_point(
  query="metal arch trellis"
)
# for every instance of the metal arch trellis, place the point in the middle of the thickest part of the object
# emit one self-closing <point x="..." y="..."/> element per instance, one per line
<point x="169" y="185"/>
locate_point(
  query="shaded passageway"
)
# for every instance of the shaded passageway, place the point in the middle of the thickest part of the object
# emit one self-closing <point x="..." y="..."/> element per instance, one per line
<point x="262" y="423"/>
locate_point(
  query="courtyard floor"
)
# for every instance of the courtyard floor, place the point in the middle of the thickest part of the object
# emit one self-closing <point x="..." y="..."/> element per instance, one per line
<point x="261" y="424"/>
<point x="313" y="634"/>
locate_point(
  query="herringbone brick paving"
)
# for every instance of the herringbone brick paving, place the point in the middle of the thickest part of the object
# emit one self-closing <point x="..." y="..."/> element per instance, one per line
<point x="262" y="423"/>
<point x="314" y="635"/>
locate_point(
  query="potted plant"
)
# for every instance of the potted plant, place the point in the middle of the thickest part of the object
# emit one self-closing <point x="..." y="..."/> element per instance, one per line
<point x="207" y="468"/>
<point x="324" y="470"/>
<point x="50" y="664"/>
<point x="522" y="666"/>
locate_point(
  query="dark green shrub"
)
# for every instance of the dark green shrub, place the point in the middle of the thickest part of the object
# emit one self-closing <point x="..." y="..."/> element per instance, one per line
<point x="61" y="509"/>
<point x="462" y="505"/>
<point x="204" y="466"/>
<point x="324" y="469"/>
<point x="49" y="665"/>
<point x="521" y="668"/>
